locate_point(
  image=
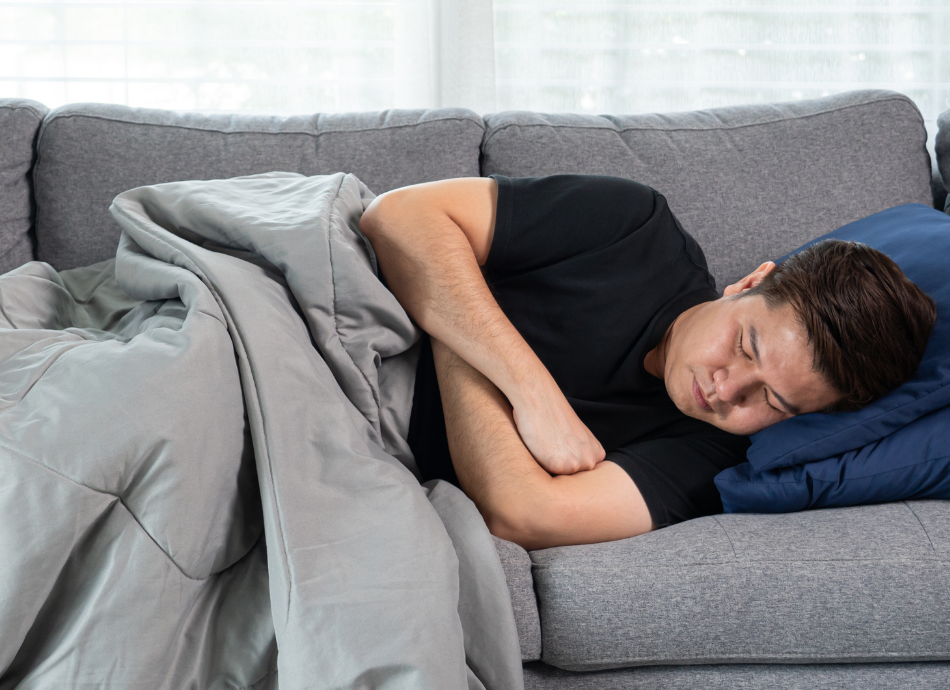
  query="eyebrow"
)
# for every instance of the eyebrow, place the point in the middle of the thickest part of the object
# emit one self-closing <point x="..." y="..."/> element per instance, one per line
<point x="754" y="343"/>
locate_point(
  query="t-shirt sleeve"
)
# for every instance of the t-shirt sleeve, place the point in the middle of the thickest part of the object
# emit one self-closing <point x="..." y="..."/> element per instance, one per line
<point x="540" y="221"/>
<point x="675" y="475"/>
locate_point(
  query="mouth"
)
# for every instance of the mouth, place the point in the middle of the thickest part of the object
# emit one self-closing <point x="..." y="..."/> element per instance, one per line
<point x="699" y="397"/>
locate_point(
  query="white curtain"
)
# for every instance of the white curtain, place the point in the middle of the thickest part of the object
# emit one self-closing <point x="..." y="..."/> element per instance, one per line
<point x="598" y="56"/>
<point x="444" y="54"/>
<point x="634" y="56"/>
<point x="271" y="56"/>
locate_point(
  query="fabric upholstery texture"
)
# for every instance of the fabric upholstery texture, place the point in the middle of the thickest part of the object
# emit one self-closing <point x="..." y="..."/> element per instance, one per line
<point x="19" y="122"/>
<point x="750" y="183"/>
<point x="88" y="153"/>
<point x="921" y="676"/>
<point x="517" y="566"/>
<point x="858" y="584"/>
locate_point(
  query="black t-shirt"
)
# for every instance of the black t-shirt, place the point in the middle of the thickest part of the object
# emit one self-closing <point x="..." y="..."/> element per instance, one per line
<point x="592" y="271"/>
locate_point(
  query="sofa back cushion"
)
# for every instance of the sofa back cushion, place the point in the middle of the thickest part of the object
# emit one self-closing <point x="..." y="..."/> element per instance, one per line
<point x="19" y="122"/>
<point x="750" y="183"/>
<point x="89" y="153"/>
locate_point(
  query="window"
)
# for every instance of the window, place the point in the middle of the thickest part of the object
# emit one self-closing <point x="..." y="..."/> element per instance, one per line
<point x="600" y="56"/>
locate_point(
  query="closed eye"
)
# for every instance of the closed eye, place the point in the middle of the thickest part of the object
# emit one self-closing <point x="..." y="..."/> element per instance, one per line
<point x="766" y="394"/>
<point x="739" y="347"/>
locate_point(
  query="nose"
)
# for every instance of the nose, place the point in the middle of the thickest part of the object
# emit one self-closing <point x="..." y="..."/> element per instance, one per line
<point x="733" y="384"/>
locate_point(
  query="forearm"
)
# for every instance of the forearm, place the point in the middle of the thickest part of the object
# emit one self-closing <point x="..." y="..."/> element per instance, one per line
<point x="493" y="465"/>
<point x="491" y="461"/>
<point x="431" y="268"/>
<point x="519" y="500"/>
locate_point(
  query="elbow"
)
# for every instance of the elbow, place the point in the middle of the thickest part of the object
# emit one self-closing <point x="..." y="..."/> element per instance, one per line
<point x="502" y="526"/>
<point x="518" y="520"/>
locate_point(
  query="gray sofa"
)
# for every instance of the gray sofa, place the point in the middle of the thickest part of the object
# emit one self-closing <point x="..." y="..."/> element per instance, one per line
<point x="840" y="598"/>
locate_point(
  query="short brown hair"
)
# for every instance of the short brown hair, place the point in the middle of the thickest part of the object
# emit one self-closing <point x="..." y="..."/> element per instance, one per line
<point x="867" y="323"/>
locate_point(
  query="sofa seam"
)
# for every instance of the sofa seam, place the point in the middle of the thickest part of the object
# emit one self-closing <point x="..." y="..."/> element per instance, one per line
<point x="622" y="130"/>
<point x="739" y="561"/>
<point x="47" y="121"/>
<point x="643" y="662"/>
<point x="920" y="522"/>
<point x="39" y="116"/>
<point x="728" y="538"/>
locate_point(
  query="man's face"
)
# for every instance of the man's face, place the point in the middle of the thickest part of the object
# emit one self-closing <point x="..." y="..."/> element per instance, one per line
<point x="741" y="366"/>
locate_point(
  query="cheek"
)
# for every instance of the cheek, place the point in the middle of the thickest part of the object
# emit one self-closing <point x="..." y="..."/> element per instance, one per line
<point x="679" y="386"/>
<point x="711" y="350"/>
<point x="678" y="390"/>
<point x="747" y="421"/>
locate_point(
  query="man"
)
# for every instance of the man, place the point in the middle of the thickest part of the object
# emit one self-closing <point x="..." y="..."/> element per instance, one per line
<point x="585" y="381"/>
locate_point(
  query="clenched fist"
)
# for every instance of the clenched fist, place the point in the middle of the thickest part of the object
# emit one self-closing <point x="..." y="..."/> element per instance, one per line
<point x="552" y="431"/>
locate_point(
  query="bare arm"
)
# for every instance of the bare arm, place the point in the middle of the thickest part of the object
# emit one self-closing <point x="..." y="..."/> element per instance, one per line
<point x="518" y="499"/>
<point x="431" y="240"/>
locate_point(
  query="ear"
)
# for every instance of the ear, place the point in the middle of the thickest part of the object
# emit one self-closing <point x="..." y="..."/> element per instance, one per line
<point x="751" y="280"/>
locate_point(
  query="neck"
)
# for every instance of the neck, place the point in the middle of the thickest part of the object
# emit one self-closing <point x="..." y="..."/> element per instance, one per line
<point x="655" y="361"/>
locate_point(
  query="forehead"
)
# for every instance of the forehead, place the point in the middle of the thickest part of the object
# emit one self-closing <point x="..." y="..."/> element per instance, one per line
<point x="786" y="361"/>
<point x="776" y="334"/>
<point x="755" y="306"/>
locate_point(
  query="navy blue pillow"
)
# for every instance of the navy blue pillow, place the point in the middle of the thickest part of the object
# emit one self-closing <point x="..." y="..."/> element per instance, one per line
<point x="913" y="462"/>
<point x="875" y="454"/>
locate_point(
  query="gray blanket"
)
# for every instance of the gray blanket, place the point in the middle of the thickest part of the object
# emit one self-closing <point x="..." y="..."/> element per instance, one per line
<point x="204" y="481"/>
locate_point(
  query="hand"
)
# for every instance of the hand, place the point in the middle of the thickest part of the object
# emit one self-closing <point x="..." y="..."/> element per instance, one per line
<point x="553" y="433"/>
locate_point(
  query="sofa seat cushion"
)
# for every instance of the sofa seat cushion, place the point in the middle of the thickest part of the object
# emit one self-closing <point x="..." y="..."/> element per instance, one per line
<point x="89" y="153"/>
<point x="19" y="122"/>
<point x="857" y="584"/>
<point x="750" y="183"/>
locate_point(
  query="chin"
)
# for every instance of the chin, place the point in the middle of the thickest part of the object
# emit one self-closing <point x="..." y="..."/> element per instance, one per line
<point x="682" y="397"/>
<point x="741" y="431"/>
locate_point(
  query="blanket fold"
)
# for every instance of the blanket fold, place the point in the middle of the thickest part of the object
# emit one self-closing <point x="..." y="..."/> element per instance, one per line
<point x="205" y="466"/>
